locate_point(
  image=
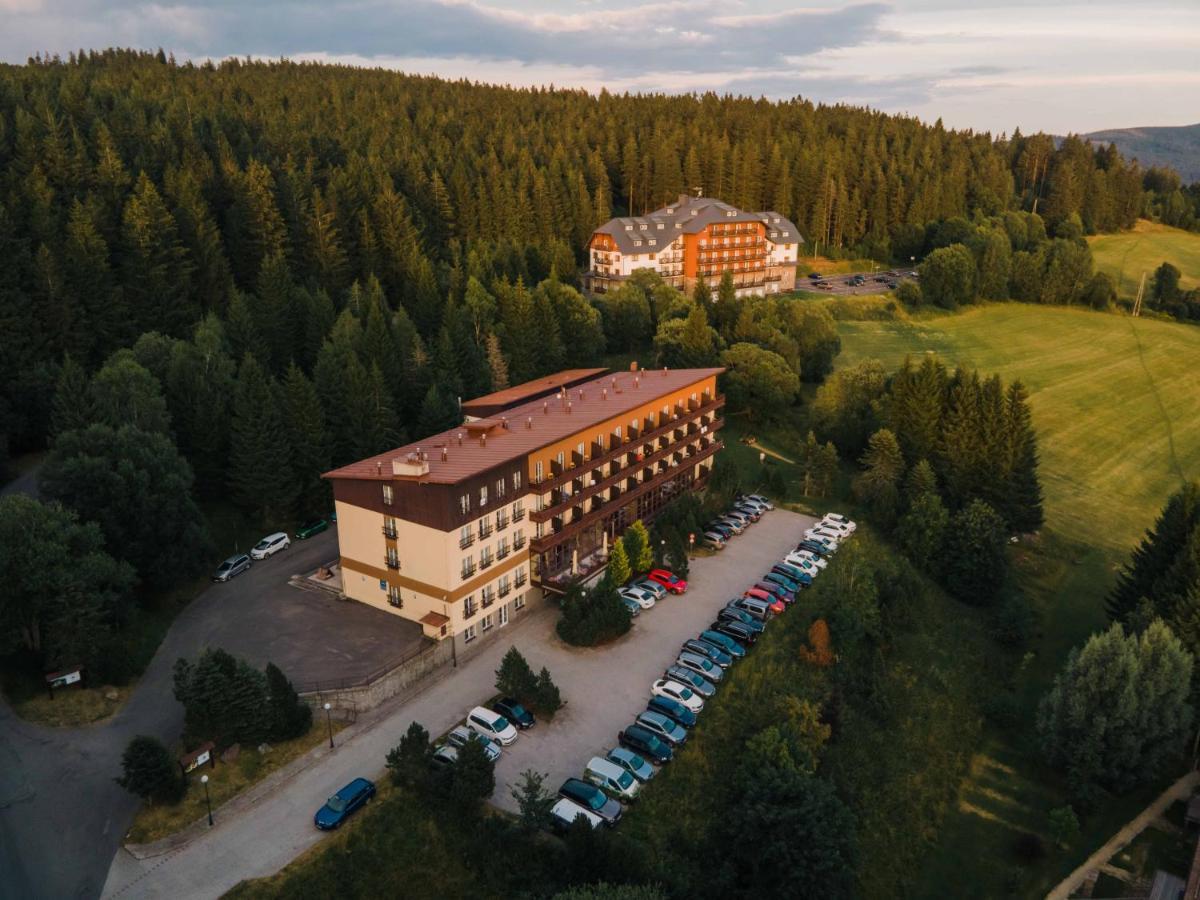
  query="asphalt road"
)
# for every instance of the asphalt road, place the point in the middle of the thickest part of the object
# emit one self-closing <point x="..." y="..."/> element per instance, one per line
<point x="62" y="817"/>
<point x="604" y="688"/>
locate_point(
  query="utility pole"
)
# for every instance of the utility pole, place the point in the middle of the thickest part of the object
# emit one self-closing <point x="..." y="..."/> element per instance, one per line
<point x="1137" y="303"/>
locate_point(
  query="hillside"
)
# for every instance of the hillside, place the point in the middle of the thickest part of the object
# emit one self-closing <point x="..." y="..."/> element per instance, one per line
<point x="1113" y="402"/>
<point x="1127" y="255"/>
<point x="1177" y="147"/>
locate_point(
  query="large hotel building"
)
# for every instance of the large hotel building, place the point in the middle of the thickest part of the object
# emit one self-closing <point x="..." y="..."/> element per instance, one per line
<point x="694" y="237"/>
<point x="464" y="530"/>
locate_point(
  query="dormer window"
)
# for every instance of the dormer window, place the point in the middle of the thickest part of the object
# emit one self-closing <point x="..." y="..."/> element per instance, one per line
<point x="629" y="228"/>
<point x="653" y="242"/>
<point x="643" y="227"/>
<point x="637" y="243"/>
<point x="660" y="226"/>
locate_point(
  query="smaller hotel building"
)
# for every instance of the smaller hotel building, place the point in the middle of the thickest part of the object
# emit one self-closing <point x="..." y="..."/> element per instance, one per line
<point x="694" y="237"/>
<point x="466" y="530"/>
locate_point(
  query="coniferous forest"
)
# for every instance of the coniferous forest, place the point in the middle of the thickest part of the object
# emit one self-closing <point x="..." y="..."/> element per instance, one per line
<point x="244" y="207"/>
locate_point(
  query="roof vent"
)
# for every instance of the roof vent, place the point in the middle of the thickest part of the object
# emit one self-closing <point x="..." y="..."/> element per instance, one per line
<point x="483" y="439"/>
<point x="378" y="467"/>
<point x="546" y="407"/>
<point x="568" y="407"/>
<point x="603" y="393"/>
<point x="445" y="453"/>
<point x="529" y="422"/>
<point x="664" y="371"/>
<point x="411" y="465"/>
<point x="460" y="437"/>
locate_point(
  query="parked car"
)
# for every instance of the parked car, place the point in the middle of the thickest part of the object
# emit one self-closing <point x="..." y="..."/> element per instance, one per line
<point x="794" y="565"/>
<point x="839" y="519"/>
<point x="645" y="742"/>
<point x="635" y="608"/>
<point x="444" y="756"/>
<point x="232" y="567"/>
<point x="773" y="603"/>
<point x="491" y="725"/>
<point x="344" y="803"/>
<point x="632" y="763"/>
<point x="701" y="665"/>
<point x="673" y="710"/>
<point x="759" y="608"/>
<point x="644" y="599"/>
<point x="797" y="557"/>
<point x="515" y="712"/>
<point x="820" y="548"/>
<point x="815" y="276"/>
<point x="651" y="587"/>
<point x="759" y="498"/>
<point x="591" y="798"/>
<point x="565" y="812"/>
<point x="311" y="528"/>
<point x="715" y="540"/>
<point x="737" y="526"/>
<point x="612" y="779"/>
<point x="270" y="545"/>
<point x="690" y="679"/>
<point x="793" y="572"/>
<point x="720" y="528"/>
<point x="662" y="726"/>
<point x="841" y="531"/>
<point x="787" y="583"/>
<point x="669" y="580"/>
<point x="753" y="513"/>
<point x="774" y="590"/>
<point x="737" y="515"/>
<point x="713" y="652"/>
<point x="680" y="693"/>
<point x="739" y="631"/>
<point x="725" y="642"/>
<point x="731" y="613"/>
<point x="823" y="534"/>
<point x="459" y="736"/>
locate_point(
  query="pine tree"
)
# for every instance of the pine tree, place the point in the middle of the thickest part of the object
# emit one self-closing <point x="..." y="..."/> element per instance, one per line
<point x="149" y="771"/>
<point x="1023" y="497"/>
<point x="547" y="698"/>
<point x="275" y="312"/>
<point x="260" y="472"/>
<point x="922" y="530"/>
<point x="879" y="484"/>
<point x="304" y="424"/>
<point x="156" y="270"/>
<point x="921" y="480"/>
<point x="515" y="678"/>
<point x="497" y="364"/>
<point x="701" y="293"/>
<point x="439" y="412"/>
<point x="290" y="716"/>
<point x="72" y="407"/>
<point x="619" y="570"/>
<point x="408" y="761"/>
<point x="241" y="327"/>
<point x="1157" y="552"/>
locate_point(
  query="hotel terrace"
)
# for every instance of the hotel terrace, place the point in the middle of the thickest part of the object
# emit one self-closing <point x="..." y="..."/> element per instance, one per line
<point x="467" y="529"/>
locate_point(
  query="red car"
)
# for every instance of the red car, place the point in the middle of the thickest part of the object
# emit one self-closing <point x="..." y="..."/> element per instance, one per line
<point x="670" y="581"/>
<point x="776" y="605"/>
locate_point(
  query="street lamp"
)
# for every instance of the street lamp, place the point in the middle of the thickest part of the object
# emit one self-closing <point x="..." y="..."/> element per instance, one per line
<point x="207" y="799"/>
<point x="329" y="722"/>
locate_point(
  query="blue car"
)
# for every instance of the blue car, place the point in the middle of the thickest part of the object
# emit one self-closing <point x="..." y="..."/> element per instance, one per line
<point x="672" y="709"/>
<point x="784" y="582"/>
<point x="724" y="642"/>
<point x="344" y="803"/>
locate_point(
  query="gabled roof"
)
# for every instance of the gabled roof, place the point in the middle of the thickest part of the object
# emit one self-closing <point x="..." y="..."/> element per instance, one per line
<point x="688" y="215"/>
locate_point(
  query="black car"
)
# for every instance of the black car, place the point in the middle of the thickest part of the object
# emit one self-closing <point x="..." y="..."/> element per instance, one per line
<point x="735" y="630"/>
<point x="731" y="613"/>
<point x="592" y="798"/>
<point x="720" y="528"/>
<point x="645" y="742"/>
<point x="710" y="651"/>
<point x="813" y="547"/>
<point x="514" y="712"/>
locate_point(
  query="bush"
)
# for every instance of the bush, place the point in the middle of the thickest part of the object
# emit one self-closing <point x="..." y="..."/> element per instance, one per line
<point x="408" y="761"/>
<point x="595" y="616"/>
<point x="546" y="699"/>
<point x="290" y="716"/>
<point x="515" y="678"/>
<point x="150" y="771"/>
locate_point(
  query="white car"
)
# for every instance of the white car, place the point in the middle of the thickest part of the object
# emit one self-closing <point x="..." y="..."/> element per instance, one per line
<point x="839" y="519"/>
<point x="842" y="531"/>
<point x="760" y="500"/>
<point x="270" y="545"/>
<point x="807" y="561"/>
<point x="491" y="725"/>
<point x="673" y="690"/>
<point x="824" y="534"/>
<point x="459" y="736"/>
<point x="565" y="812"/>
<point x="642" y="598"/>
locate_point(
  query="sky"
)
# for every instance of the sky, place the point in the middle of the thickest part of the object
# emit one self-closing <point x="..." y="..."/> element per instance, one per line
<point x="989" y="66"/>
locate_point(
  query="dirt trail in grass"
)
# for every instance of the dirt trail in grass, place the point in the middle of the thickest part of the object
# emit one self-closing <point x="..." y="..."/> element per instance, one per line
<point x="1137" y="340"/>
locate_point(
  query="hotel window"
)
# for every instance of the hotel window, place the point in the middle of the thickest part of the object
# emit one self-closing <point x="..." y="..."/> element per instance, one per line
<point x="502" y="548"/>
<point x="519" y="603"/>
<point x="537" y="472"/>
<point x="483" y="496"/>
<point x="468" y="634"/>
<point x="387" y="494"/>
<point x="518" y="510"/>
<point x="516" y="481"/>
<point x="519" y="577"/>
<point x="503" y="616"/>
<point x="486" y="622"/>
<point x="464" y="504"/>
<point x="653" y="243"/>
<point x="500" y="486"/>
<point x="519" y="539"/>
<point x="389" y="527"/>
<point x="394" y="597"/>
<point x="465" y="537"/>
<point x="469" y="606"/>
<point x="642" y="227"/>
<point x="660" y="226"/>
<point x="468" y="566"/>
<point x="579" y="450"/>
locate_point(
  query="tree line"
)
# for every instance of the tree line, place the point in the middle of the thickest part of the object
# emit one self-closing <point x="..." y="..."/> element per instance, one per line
<point x="139" y="195"/>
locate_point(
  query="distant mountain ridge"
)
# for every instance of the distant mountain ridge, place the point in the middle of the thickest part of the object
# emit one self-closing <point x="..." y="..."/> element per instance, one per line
<point x="1175" y="146"/>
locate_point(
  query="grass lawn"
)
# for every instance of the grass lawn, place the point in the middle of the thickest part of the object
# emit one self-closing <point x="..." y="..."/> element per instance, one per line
<point x="823" y="265"/>
<point x="225" y="781"/>
<point x="68" y="707"/>
<point x="1125" y="256"/>
<point x="1113" y="401"/>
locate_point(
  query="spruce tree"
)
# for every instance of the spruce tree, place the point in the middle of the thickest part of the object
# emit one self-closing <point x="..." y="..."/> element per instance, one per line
<point x="72" y="408"/>
<point x="378" y="428"/>
<point x="260" y="470"/>
<point x="515" y="678"/>
<point x="156" y="270"/>
<point x="921" y="480"/>
<point x="150" y="772"/>
<point x="728" y="306"/>
<point x="974" y="558"/>
<point x="1023" y="497"/>
<point x="547" y="698"/>
<point x="304" y="423"/>
<point x="439" y="412"/>
<point x="497" y="364"/>
<point x="1175" y="527"/>
<point x="922" y="530"/>
<point x="290" y="716"/>
<point x="879" y="485"/>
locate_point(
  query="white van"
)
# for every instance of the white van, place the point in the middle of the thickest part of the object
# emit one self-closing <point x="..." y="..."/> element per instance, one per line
<point x="565" y="812"/>
<point x="270" y="545"/>
<point x="492" y="725"/>
<point x="611" y="779"/>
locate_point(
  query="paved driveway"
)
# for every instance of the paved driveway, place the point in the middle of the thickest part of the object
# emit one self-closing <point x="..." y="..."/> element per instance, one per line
<point x="604" y="688"/>
<point x="607" y="687"/>
<point x="61" y="815"/>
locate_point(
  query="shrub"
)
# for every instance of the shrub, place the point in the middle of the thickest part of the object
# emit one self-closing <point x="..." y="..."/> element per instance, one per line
<point x="595" y="616"/>
<point x="150" y="771"/>
<point x="290" y="716"/>
<point x="533" y="800"/>
<point x="546" y="698"/>
<point x="515" y="678"/>
<point x="408" y="761"/>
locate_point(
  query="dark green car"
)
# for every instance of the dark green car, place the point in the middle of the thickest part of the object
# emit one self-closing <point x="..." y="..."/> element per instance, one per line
<point x="311" y="529"/>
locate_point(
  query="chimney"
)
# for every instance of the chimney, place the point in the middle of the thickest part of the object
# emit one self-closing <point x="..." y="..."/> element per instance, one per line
<point x="568" y="407"/>
<point x="633" y="366"/>
<point x="445" y="453"/>
<point x="504" y="422"/>
<point x="460" y="439"/>
<point x="483" y="439"/>
<point x="603" y="393"/>
<point x="637" y="382"/>
<point x="545" y="407"/>
<point x="378" y="467"/>
<point x="529" y="423"/>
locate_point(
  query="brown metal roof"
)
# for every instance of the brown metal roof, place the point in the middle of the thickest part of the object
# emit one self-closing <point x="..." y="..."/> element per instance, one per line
<point x="519" y="393"/>
<point x="548" y="419"/>
<point x="435" y="619"/>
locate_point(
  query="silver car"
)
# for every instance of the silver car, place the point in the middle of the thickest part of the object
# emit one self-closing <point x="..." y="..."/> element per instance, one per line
<point x="632" y="763"/>
<point x="696" y="682"/>
<point x="235" y="565"/>
<point x="701" y="665"/>
<point x="670" y="731"/>
<point x="651" y="587"/>
<point x="460" y="735"/>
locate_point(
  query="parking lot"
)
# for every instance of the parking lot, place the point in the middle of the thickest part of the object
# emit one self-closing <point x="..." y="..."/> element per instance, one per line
<point x="840" y="285"/>
<point x="608" y="686"/>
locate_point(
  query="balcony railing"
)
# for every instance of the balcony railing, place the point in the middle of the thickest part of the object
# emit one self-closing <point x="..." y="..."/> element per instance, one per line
<point x="389" y="533"/>
<point x="518" y="514"/>
<point x="505" y="590"/>
<point x="501" y="522"/>
<point x="469" y="610"/>
<point x="468" y="571"/>
<point x="488" y="600"/>
<point x="520" y="580"/>
<point x="502" y="552"/>
<point x="484" y="531"/>
<point x="465" y="542"/>
<point x="518" y="542"/>
<point x="485" y="562"/>
<point x="391" y="563"/>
